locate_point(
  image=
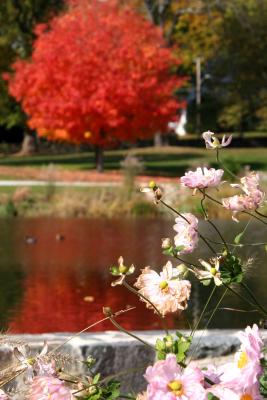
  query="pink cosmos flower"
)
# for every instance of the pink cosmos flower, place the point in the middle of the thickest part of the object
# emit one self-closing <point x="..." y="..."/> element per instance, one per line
<point x="212" y="142"/>
<point x="165" y="290"/>
<point x="202" y="178"/>
<point x="44" y="388"/>
<point x="245" y="371"/>
<point x="166" y="381"/>
<point x="250" y="200"/>
<point x="187" y="235"/>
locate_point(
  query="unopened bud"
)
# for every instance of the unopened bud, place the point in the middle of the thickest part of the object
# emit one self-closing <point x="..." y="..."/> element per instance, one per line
<point x="158" y="194"/>
<point x="92" y="390"/>
<point x="152" y="185"/>
<point x="90" y="361"/>
<point x="183" y="270"/>
<point x="166" y="243"/>
<point x="107" y="311"/>
<point x="123" y="269"/>
<point x="169" y="342"/>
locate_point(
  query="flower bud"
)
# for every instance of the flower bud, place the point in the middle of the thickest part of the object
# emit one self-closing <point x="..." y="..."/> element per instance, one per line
<point x="166" y="243"/>
<point x="183" y="270"/>
<point x="152" y="185"/>
<point x="157" y="194"/>
<point x="90" y="361"/>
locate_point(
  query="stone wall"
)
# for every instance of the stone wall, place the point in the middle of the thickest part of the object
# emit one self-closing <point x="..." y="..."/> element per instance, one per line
<point x="115" y="352"/>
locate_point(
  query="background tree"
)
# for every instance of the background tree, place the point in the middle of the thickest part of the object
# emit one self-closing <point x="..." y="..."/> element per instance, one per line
<point x="99" y="74"/>
<point x="243" y="61"/>
<point x="17" y="21"/>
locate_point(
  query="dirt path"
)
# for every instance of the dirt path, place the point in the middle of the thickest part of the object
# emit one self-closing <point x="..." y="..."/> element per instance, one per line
<point x="60" y="175"/>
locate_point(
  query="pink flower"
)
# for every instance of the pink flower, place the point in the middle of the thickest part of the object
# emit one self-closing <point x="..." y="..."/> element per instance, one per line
<point x="202" y="178"/>
<point x="44" y="388"/>
<point x="167" y="381"/>
<point x="142" y="396"/>
<point x="245" y="371"/>
<point x="211" y="375"/>
<point x="212" y="142"/>
<point x="3" y="395"/>
<point x="187" y="235"/>
<point x="252" y="198"/>
<point x="165" y="290"/>
<point x="224" y="393"/>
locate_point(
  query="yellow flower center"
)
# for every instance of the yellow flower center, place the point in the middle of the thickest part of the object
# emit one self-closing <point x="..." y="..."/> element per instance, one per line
<point x="176" y="387"/>
<point x="215" y="142"/>
<point x="163" y="285"/>
<point x="213" y="271"/>
<point x="243" y="360"/>
<point x="123" y="269"/>
<point x="246" y="397"/>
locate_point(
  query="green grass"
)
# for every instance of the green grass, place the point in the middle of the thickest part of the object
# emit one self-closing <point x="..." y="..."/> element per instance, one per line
<point x="165" y="161"/>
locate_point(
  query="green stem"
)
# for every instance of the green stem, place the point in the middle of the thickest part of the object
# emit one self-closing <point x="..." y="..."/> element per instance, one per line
<point x="203" y="311"/>
<point x="120" y="328"/>
<point x="216" y="308"/>
<point x="187" y="262"/>
<point x="237" y="245"/>
<point x="244" y="285"/>
<point x="131" y="289"/>
<point x="209" y="221"/>
<point x="208" y="322"/>
<point x="244" y="299"/>
<point x="223" y="166"/>
<point x="121" y="373"/>
<point x="259" y="213"/>
<point x="87" y="328"/>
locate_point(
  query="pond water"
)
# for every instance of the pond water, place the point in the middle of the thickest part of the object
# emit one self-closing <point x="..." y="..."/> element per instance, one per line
<point x="61" y="285"/>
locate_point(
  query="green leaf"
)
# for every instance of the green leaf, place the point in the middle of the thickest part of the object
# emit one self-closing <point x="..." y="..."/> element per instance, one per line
<point x="179" y="248"/>
<point x="96" y="379"/>
<point x="160" y="345"/>
<point x="212" y="397"/>
<point x="205" y="282"/>
<point x="231" y="269"/>
<point x="238" y="237"/>
<point x="169" y="251"/>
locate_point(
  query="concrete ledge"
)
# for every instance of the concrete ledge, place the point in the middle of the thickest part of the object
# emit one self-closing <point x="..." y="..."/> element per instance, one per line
<point x="115" y="352"/>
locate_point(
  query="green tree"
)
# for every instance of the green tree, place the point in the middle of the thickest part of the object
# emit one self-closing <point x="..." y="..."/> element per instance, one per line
<point x="243" y="59"/>
<point x="17" y="21"/>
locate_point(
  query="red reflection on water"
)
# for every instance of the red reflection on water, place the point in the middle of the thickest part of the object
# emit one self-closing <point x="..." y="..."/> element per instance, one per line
<point x="59" y="275"/>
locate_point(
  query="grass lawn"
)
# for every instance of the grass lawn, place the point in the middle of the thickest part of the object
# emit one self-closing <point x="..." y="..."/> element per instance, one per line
<point x="164" y="161"/>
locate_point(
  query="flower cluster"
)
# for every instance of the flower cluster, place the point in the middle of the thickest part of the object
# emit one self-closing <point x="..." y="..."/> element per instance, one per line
<point x="252" y="196"/>
<point x="233" y="381"/>
<point x="47" y="387"/>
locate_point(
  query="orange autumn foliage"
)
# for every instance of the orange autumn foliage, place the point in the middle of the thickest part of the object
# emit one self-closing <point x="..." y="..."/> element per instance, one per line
<point x="99" y="74"/>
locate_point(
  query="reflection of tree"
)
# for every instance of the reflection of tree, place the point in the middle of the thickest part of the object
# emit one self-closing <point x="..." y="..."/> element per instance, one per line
<point x="59" y="275"/>
<point x="11" y="275"/>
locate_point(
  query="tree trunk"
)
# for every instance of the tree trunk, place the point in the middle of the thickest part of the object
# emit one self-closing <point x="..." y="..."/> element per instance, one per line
<point x="158" y="140"/>
<point x="29" y="144"/>
<point x="99" y="159"/>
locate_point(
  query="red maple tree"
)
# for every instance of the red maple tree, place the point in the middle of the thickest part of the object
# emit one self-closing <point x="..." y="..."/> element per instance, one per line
<point x="99" y="74"/>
